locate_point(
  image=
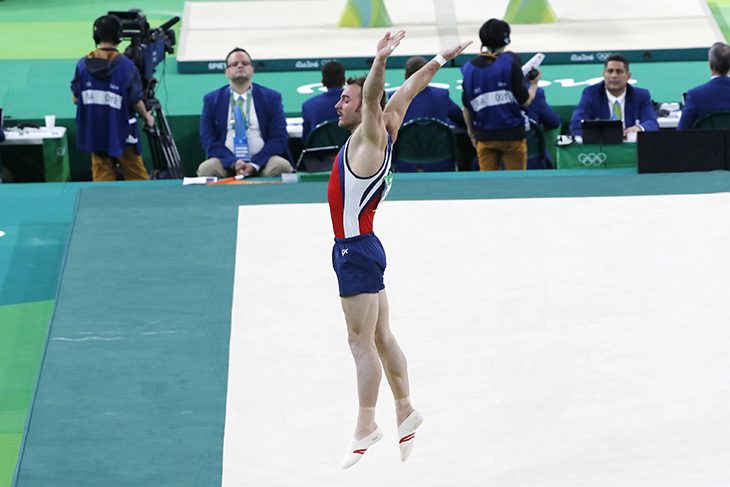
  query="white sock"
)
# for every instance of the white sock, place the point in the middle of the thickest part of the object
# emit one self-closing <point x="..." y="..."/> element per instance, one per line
<point x="403" y="408"/>
<point x="365" y="422"/>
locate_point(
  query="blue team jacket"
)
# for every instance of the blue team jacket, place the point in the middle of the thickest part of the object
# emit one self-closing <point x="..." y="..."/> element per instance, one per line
<point x="489" y="95"/>
<point x="107" y="91"/>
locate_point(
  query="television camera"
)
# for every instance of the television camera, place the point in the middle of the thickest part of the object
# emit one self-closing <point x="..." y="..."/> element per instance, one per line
<point x="147" y="48"/>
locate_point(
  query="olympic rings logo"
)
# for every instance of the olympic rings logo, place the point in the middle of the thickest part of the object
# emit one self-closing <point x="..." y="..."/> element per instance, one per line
<point x="590" y="159"/>
<point x="602" y="56"/>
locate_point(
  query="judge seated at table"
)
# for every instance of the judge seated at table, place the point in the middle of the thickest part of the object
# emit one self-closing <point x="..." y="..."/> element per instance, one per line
<point x="713" y="96"/>
<point x="614" y="99"/>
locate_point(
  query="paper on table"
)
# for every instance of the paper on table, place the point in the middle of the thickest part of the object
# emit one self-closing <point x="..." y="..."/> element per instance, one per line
<point x="199" y="180"/>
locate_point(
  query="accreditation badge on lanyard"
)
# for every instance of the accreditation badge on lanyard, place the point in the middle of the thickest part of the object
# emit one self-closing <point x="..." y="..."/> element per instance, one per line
<point x="241" y="121"/>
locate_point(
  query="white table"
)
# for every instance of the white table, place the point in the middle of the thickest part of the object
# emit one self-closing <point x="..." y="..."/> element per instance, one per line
<point x="32" y="136"/>
<point x="54" y="146"/>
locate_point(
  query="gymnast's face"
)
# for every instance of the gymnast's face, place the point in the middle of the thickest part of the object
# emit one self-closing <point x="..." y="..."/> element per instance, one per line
<point x="348" y="108"/>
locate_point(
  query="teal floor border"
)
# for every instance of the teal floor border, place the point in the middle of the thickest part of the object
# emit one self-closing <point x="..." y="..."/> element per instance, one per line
<point x="133" y="382"/>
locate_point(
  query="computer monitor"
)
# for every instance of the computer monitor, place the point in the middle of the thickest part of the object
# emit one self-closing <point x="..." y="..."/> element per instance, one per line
<point x="682" y="150"/>
<point x="602" y="131"/>
<point x="317" y="159"/>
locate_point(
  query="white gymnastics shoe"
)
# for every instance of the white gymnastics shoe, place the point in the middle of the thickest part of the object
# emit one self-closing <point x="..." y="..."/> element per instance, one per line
<point x="359" y="447"/>
<point x="407" y="433"/>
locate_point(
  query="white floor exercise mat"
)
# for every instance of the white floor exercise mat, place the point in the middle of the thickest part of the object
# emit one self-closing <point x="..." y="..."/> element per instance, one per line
<point x="551" y="342"/>
<point x="295" y="29"/>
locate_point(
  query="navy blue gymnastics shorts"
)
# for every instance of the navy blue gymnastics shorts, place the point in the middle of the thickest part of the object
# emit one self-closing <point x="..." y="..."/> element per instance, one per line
<point x="359" y="263"/>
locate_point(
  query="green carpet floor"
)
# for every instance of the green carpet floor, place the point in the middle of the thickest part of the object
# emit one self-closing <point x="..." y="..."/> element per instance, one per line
<point x="721" y="11"/>
<point x="23" y="332"/>
<point x="36" y="221"/>
<point x="48" y="29"/>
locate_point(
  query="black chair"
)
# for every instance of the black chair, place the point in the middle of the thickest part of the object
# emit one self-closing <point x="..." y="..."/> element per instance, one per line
<point x="425" y="145"/>
<point x="317" y="159"/>
<point x="327" y="134"/>
<point x="321" y="147"/>
<point x="714" y="120"/>
<point x="536" y="157"/>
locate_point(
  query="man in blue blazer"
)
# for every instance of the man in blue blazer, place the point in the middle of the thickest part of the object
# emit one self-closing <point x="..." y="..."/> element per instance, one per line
<point x="321" y="108"/>
<point x="712" y="96"/>
<point x="243" y="126"/>
<point x="432" y="102"/>
<point x="614" y="99"/>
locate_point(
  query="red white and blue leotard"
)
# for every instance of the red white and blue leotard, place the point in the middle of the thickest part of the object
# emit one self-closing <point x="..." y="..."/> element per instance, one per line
<point x="354" y="199"/>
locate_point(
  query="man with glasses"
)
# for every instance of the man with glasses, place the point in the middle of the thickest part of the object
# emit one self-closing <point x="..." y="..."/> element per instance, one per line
<point x="243" y="126"/>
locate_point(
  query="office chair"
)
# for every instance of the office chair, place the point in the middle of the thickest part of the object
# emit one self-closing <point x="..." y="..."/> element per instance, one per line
<point x="714" y="120"/>
<point x="425" y="145"/>
<point x="327" y="134"/>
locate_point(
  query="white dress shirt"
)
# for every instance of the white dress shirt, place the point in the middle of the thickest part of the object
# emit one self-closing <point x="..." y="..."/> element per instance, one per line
<point x="253" y="133"/>
<point x="622" y="102"/>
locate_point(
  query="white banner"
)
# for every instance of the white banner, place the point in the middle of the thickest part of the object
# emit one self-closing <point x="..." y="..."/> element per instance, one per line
<point x="99" y="97"/>
<point x="493" y="98"/>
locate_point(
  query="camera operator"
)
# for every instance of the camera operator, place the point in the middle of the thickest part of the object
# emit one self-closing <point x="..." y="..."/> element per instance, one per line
<point x="107" y="91"/>
<point x="494" y="93"/>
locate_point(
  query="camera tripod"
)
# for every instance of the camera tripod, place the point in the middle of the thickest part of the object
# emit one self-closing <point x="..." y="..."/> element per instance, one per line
<point x="165" y="156"/>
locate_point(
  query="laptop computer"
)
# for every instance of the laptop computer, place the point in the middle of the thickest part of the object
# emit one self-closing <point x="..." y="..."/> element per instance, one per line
<point x="317" y="159"/>
<point x="602" y="131"/>
<point x="682" y="150"/>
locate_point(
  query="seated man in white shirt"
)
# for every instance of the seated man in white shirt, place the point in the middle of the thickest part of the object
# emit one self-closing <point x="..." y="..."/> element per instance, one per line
<point x="243" y="126"/>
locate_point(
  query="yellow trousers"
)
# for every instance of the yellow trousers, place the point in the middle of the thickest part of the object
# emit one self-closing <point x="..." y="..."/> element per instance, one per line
<point x="130" y="164"/>
<point x="512" y="153"/>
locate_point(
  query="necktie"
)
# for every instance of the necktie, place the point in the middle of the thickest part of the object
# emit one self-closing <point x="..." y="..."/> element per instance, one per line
<point x="240" y="141"/>
<point x="616" y="111"/>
